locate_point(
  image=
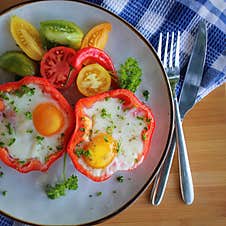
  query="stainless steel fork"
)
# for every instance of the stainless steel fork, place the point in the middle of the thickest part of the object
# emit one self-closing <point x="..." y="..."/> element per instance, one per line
<point x="173" y="72"/>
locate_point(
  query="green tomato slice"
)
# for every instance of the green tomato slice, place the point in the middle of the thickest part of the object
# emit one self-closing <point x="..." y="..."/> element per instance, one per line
<point x="62" y="32"/>
<point x="18" y="63"/>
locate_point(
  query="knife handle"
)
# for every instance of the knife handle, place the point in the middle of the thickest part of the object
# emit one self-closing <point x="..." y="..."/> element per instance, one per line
<point x="161" y="179"/>
<point x="186" y="184"/>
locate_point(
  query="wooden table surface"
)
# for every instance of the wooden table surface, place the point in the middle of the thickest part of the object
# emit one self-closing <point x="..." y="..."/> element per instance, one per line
<point x="205" y="132"/>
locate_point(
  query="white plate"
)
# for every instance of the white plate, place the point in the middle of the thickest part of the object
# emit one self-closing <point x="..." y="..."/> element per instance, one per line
<point x="25" y="199"/>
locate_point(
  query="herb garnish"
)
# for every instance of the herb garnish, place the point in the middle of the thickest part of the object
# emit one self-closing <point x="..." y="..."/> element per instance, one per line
<point x="130" y="75"/>
<point x="28" y="115"/>
<point x="104" y="114"/>
<point x="24" y="90"/>
<point x="39" y="139"/>
<point x="3" y="96"/>
<point x="120" y="179"/>
<point x="29" y="131"/>
<point x="146" y="94"/>
<point x="2" y="144"/>
<point x="59" y="189"/>
<point x="99" y="193"/>
<point x="10" y="129"/>
<point x="4" y="193"/>
<point x="11" y="141"/>
<point x="79" y="152"/>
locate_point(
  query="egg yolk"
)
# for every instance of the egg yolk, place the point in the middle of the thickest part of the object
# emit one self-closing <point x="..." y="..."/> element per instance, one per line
<point x="102" y="150"/>
<point x="47" y="119"/>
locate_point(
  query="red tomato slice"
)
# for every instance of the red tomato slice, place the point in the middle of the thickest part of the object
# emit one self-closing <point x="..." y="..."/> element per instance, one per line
<point x="56" y="66"/>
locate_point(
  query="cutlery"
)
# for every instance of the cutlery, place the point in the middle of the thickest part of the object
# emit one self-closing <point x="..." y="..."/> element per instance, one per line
<point x="187" y="98"/>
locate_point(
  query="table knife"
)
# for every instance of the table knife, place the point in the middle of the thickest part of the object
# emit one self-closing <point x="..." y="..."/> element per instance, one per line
<point x="188" y="94"/>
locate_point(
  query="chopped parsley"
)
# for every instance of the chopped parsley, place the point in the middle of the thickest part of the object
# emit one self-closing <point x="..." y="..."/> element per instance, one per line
<point x="3" y="96"/>
<point x="144" y="136"/>
<point x="24" y="90"/>
<point x="2" y="144"/>
<point x="106" y="139"/>
<point x="59" y="189"/>
<point x="119" y="147"/>
<point x="140" y="118"/>
<point x="82" y="129"/>
<point x="1" y="174"/>
<point x="39" y="139"/>
<point x="107" y="98"/>
<point x="81" y="152"/>
<point x="4" y="193"/>
<point x="99" y="193"/>
<point x="120" y="179"/>
<point x="109" y="130"/>
<point x="130" y="75"/>
<point x="11" y="141"/>
<point x="9" y="128"/>
<point x="104" y="114"/>
<point x="146" y="94"/>
<point x="28" y="115"/>
<point x="29" y="131"/>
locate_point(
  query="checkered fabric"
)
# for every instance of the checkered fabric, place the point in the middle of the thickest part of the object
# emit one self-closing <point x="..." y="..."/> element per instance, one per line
<point x="150" y="17"/>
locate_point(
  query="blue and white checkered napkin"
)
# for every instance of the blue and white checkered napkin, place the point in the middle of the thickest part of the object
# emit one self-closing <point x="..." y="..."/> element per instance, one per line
<point x="151" y="17"/>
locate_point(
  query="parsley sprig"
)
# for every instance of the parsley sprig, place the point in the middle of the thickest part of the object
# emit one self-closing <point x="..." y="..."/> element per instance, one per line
<point x="130" y="75"/>
<point x="59" y="189"/>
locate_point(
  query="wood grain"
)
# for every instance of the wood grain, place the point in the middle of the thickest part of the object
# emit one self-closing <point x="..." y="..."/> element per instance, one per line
<point x="205" y="132"/>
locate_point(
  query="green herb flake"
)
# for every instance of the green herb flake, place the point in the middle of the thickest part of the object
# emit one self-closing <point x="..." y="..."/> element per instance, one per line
<point x="22" y="162"/>
<point x="130" y="75"/>
<point x="4" y="193"/>
<point x="146" y="94"/>
<point x="82" y="129"/>
<point x="140" y="118"/>
<point x="120" y="179"/>
<point x="81" y="152"/>
<point x="39" y="139"/>
<point x="29" y="131"/>
<point x="109" y="130"/>
<point x="54" y="192"/>
<point x="28" y="115"/>
<point x="104" y="114"/>
<point x="1" y="174"/>
<point x="114" y="191"/>
<point x="107" y="98"/>
<point x="9" y="128"/>
<point x="2" y="144"/>
<point x="11" y="141"/>
<point x="144" y="136"/>
<point x="106" y="139"/>
<point x="24" y="90"/>
<point x="119" y="147"/>
<point x="99" y="193"/>
<point x="4" y="96"/>
<point x="90" y="196"/>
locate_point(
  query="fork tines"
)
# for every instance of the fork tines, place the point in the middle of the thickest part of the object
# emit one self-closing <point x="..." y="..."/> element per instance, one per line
<point x="168" y="61"/>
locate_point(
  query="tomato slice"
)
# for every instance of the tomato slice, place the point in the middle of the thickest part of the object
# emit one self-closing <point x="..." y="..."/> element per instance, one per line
<point x="27" y="37"/>
<point x="93" y="79"/>
<point x="97" y="36"/>
<point x="56" y="66"/>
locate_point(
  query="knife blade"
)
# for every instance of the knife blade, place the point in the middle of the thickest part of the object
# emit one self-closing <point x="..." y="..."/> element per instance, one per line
<point x="193" y="76"/>
<point x="187" y="98"/>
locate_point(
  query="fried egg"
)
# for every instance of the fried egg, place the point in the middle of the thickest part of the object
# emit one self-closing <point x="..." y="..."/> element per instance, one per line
<point x="113" y="138"/>
<point x="33" y="123"/>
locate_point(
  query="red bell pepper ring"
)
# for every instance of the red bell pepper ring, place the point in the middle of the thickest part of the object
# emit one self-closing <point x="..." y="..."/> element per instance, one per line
<point x="129" y="100"/>
<point x="34" y="164"/>
<point x="89" y="55"/>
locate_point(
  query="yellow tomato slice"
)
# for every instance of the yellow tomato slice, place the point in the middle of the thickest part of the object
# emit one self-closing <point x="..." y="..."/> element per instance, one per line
<point x="27" y="37"/>
<point x="97" y="36"/>
<point x="93" y="79"/>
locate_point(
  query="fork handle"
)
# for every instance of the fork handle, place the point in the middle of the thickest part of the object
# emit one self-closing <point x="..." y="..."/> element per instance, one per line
<point x="161" y="179"/>
<point x="186" y="184"/>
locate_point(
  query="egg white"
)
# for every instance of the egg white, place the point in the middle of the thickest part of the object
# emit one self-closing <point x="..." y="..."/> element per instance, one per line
<point x="26" y="144"/>
<point x="126" y="130"/>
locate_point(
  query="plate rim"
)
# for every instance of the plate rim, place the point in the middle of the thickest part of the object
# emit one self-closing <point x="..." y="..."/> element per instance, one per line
<point x="170" y="135"/>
